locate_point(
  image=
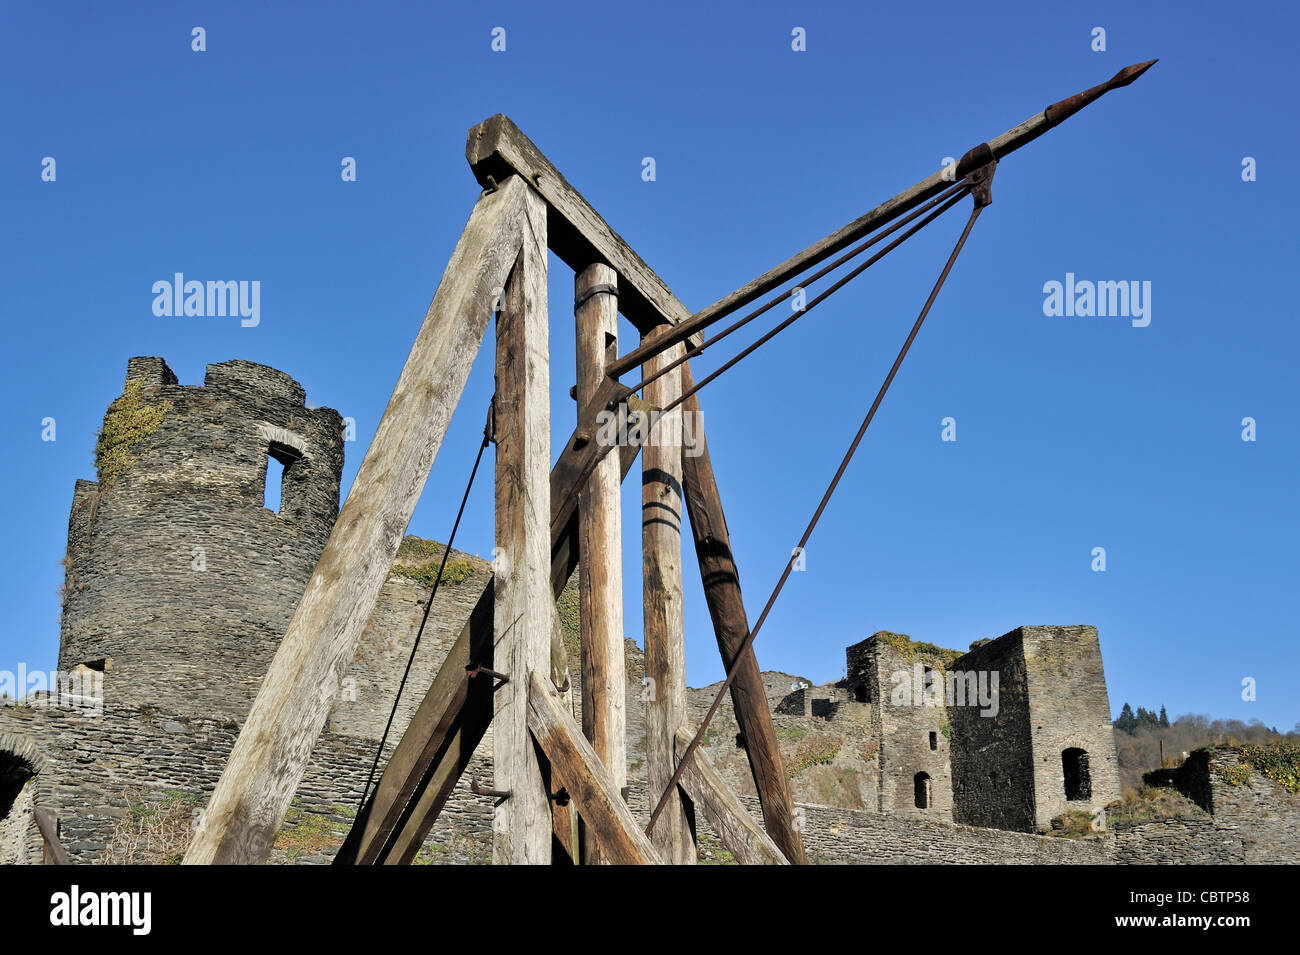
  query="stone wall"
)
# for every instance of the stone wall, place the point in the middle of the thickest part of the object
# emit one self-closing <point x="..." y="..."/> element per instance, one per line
<point x="1069" y="710"/>
<point x="364" y="705"/>
<point x="1257" y="809"/>
<point x="914" y="746"/>
<point x="177" y="574"/>
<point x="992" y="779"/>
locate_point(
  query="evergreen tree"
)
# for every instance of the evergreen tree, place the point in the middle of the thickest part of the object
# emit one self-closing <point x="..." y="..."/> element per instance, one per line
<point x="1164" y="718"/>
<point x="1127" y="723"/>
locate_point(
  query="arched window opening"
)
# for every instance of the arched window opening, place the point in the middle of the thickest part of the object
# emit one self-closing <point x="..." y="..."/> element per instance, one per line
<point x="921" y="784"/>
<point x="14" y="774"/>
<point x="1078" y="780"/>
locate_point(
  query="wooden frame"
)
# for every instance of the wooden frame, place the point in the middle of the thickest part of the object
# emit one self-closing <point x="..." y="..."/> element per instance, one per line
<point x="544" y="522"/>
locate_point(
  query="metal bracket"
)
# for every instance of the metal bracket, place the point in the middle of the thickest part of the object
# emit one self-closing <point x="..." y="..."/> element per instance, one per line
<point x="981" y="184"/>
<point x="474" y="669"/>
<point x="593" y="291"/>
<point x="478" y="790"/>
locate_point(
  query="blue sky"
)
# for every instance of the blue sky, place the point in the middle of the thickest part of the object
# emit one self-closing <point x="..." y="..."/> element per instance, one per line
<point x="1072" y="433"/>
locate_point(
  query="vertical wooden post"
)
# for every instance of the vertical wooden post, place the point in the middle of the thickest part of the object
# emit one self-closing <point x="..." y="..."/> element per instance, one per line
<point x="663" y="615"/>
<point x="600" y="551"/>
<point x="522" y="569"/>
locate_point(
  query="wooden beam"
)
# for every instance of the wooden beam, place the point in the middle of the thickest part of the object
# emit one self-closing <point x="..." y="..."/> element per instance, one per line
<point x="440" y="775"/>
<point x="893" y="207"/>
<point x="287" y="716"/>
<point x="524" y="603"/>
<point x="737" y="829"/>
<point x="434" y="749"/>
<point x="53" y="852"/>
<point x="731" y="627"/>
<point x="662" y="608"/>
<point x="496" y="148"/>
<point x="600" y="546"/>
<point x="590" y="784"/>
<point x="425" y="752"/>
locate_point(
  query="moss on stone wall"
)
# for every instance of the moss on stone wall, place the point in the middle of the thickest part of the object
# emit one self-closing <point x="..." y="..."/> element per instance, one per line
<point x="419" y="559"/>
<point x="130" y="420"/>
<point x="911" y="649"/>
<point x="818" y="749"/>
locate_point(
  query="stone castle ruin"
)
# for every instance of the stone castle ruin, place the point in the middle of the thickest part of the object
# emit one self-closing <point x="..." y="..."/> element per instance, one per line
<point x="180" y="582"/>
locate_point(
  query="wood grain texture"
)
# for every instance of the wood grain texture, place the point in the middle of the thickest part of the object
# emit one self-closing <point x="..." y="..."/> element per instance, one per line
<point x="663" y="614"/>
<point x="731" y="627"/>
<point x="590" y="785"/>
<point x="432" y="753"/>
<point x="287" y="716"/>
<point x="600" y="548"/>
<point x="522" y="565"/>
<point x="53" y="852"/>
<point x="578" y="235"/>
<point x="407" y="800"/>
<point x="737" y="829"/>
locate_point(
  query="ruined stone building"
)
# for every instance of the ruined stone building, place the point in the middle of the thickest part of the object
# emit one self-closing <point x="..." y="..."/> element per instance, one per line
<point x="180" y="582"/>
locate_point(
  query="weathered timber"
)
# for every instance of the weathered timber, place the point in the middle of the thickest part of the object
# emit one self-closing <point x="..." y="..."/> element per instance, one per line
<point x="52" y="852"/>
<point x="737" y="829"/>
<point x="418" y="759"/>
<point x="521" y="572"/>
<point x="662" y="607"/>
<point x="496" y="149"/>
<point x="589" y="783"/>
<point x="731" y="627"/>
<point x="440" y="775"/>
<point x="433" y="751"/>
<point x="287" y="716"/>
<point x="600" y="546"/>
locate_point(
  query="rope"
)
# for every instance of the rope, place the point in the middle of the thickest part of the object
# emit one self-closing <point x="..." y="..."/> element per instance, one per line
<point x="487" y="438"/>
<point x="803" y="541"/>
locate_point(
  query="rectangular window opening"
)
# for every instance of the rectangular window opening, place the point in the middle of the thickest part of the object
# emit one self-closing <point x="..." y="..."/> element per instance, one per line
<point x="279" y="458"/>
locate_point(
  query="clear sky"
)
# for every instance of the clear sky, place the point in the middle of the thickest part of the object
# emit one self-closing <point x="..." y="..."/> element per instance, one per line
<point x="1072" y="432"/>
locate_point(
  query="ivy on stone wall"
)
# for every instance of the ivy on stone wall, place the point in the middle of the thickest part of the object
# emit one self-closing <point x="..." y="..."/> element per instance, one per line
<point x="1280" y="763"/>
<point x="130" y="420"/>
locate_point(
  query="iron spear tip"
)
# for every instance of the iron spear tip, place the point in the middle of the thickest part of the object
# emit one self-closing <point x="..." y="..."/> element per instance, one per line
<point x="1058" y="112"/>
<point x="1127" y="75"/>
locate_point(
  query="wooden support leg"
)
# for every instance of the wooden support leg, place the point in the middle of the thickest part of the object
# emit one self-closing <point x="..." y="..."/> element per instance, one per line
<point x="437" y="743"/>
<point x="600" y="562"/>
<point x="592" y="787"/>
<point x="737" y="829"/>
<point x="521" y="575"/>
<point x="287" y="716"/>
<point x="731" y="626"/>
<point x="665" y="645"/>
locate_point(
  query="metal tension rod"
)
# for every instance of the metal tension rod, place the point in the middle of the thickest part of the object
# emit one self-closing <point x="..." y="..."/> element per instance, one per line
<point x="980" y="181"/>
<point x="956" y="191"/>
<point x="890" y="209"/>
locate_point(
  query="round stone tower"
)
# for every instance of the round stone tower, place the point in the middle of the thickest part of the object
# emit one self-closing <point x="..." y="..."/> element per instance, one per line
<point x="180" y="580"/>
